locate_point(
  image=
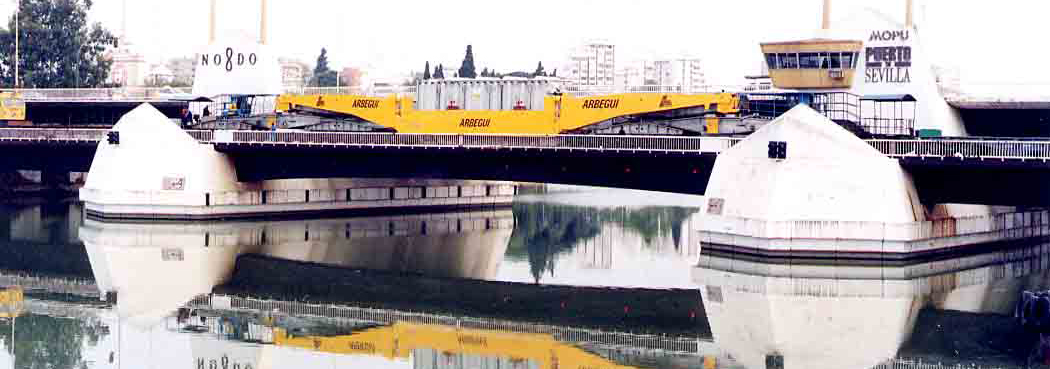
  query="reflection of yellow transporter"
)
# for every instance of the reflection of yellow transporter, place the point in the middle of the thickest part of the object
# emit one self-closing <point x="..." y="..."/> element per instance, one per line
<point x="402" y="339"/>
<point x="560" y="113"/>
<point x="12" y="107"/>
<point x="11" y="300"/>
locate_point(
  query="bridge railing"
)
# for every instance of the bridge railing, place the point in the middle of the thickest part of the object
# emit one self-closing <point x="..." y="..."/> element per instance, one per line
<point x="100" y="94"/>
<point x="52" y="134"/>
<point x="562" y="142"/>
<point x="589" y="90"/>
<point x="985" y="149"/>
<point x="377" y="91"/>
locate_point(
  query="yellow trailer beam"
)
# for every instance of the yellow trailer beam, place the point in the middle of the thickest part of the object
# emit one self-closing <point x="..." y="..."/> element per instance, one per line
<point x="559" y="114"/>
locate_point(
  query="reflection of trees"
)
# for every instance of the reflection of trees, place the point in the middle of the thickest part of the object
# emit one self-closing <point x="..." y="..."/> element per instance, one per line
<point x="44" y="342"/>
<point x="62" y="255"/>
<point x="542" y="231"/>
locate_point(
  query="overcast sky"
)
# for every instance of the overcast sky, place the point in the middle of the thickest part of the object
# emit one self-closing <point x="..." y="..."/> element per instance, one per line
<point x="1001" y="41"/>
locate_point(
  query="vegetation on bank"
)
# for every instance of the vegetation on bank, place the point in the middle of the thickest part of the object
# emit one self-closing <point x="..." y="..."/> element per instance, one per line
<point x="58" y="48"/>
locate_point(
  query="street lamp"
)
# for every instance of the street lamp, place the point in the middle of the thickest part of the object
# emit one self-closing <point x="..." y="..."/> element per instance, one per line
<point x="18" y="9"/>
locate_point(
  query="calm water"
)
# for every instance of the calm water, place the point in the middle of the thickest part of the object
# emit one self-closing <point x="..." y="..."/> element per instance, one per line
<point x="594" y="279"/>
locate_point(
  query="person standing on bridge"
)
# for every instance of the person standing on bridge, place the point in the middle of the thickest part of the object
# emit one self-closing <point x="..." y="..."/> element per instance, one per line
<point x="187" y="118"/>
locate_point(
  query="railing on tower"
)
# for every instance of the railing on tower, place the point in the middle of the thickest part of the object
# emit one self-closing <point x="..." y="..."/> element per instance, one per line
<point x="866" y="116"/>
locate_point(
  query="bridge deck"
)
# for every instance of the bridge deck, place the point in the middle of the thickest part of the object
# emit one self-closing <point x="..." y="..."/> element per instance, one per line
<point x="992" y="151"/>
<point x="945" y="170"/>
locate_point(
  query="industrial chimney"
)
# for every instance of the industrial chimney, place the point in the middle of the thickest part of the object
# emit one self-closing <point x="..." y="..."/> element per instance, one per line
<point x="826" y="24"/>
<point x="262" y="23"/>
<point x="211" y="23"/>
<point x="908" y="22"/>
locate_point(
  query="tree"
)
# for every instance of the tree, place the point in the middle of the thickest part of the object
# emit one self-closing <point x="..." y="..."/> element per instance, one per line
<point x="539" y="71"/>
<point x="42" y="341"/>
<point x="485" y="72"/>
<point x="426" y="71"/>
<point x="467" y="69"/>
<point x="554" y="73"/>
<point x="439" y="72"/>
<point x="58" y="48"/>
<point x="323" y="75"/>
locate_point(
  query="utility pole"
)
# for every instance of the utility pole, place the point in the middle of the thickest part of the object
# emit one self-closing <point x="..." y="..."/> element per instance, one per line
<point x="18" y="9"/>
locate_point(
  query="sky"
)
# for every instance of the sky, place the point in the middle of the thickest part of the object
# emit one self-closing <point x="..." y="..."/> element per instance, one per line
<point x="988" y="42"/>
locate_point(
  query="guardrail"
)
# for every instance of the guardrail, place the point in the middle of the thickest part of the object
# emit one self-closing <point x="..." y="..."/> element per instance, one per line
<point x="557" y="142"/>
<point x="101" y="94"/>
<point x="901" y="363"/>
<point x="982" y="149"/>
<point x="587" y="90"/>
<point x="77" y="135"/>
<point x="377" y="91"/>
<point x="52" y="134"/>
<point x="571" y="335"/>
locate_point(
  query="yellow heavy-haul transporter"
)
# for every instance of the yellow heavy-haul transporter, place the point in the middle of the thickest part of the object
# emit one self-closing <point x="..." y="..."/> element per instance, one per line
<point x="402" y="339"/>
<point x="559" y="114"/>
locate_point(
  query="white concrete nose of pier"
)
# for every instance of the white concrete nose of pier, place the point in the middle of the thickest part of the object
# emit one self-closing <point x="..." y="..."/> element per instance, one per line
<point x="828" y="174"/>
<point x="155" y="162"/>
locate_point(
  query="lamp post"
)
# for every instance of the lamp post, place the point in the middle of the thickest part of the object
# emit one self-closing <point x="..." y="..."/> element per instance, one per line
<point x="18" y="9"/>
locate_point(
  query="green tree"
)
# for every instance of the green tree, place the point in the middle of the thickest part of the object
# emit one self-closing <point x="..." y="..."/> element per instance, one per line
<point x="323" y="75"/>
<point x="539" y="71"/>
<point x="426" y="71"/>
<point x="485" y="72"/>
<point x="44" y="342"/>
<point x="439" y="72"/>
<point x="467" y="69"/>
<point x="57" y="46"/>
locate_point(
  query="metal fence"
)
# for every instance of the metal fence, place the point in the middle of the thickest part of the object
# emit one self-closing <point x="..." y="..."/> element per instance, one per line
<point x="377" y="91"/>
<point x="589" y="90"/>
<point x="52" y="134"/>
<point x="72" y="286"/>
<point x="563" y="142"/>
<point x="86" y="135"/>
<point x="100" y="94"/>
<point x="963" y="148"/>
<point x="899" y="363"/>
<point x="565" y="334"/>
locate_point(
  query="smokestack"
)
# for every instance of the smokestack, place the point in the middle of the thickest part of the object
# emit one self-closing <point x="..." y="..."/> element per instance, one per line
<point x="211" y="23"/>
<point x="124" y="21"/>
<point x="908" y="21"/>
<point x="262" y="23"/>
<point x="827" y="15"/>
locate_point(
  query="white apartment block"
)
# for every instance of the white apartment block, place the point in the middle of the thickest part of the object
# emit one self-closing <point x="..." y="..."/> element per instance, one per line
<point x="683" y="72"/>
<point x="591" y="64"/>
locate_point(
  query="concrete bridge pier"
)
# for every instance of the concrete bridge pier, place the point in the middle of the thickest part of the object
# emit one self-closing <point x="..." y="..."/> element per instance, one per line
<point x="158" y="171"/>
<point x="804" y="186"/>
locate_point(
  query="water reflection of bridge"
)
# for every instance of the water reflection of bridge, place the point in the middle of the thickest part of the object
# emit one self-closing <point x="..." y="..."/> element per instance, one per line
<point x="811" y="315"/>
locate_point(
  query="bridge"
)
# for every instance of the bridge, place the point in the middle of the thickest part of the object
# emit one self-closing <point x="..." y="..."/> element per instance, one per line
<point x="981" y="171"/>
